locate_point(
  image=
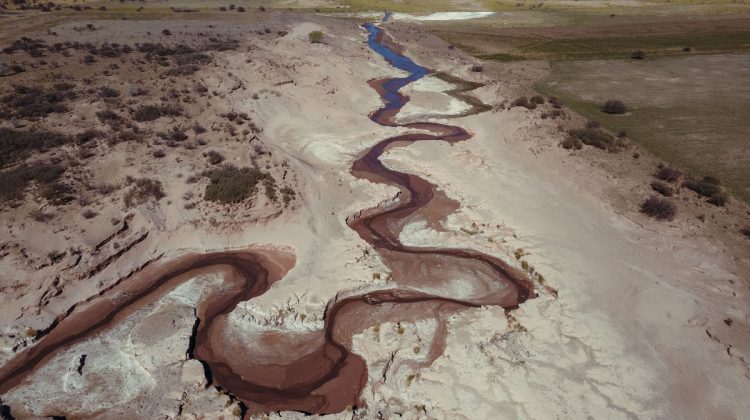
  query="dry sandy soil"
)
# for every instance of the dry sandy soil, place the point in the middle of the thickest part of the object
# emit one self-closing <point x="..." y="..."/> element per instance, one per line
<point x="634" y="318"/>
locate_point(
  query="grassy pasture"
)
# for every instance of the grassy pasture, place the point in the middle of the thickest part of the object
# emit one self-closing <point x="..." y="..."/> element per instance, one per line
<point x="691" y="111"/>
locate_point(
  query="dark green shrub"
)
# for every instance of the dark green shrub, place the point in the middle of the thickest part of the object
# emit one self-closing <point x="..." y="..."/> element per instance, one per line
<point x="614" y="106"/>
<point x="315" y="37"/>
<point x="594" y="135"/>
<point x="706" y="189"/>
<point x="232" y="185"/>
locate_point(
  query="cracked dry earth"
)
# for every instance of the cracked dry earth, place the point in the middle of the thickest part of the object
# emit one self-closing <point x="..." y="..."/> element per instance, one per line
<point x="623" y="323"/>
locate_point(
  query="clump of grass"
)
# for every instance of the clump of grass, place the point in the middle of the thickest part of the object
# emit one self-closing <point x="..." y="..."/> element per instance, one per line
<point x="614" y="106"/>
<point x="668" y="174"/>
<point x="230" y="184"/>
<point x="662" y="188"/>
<point x="659" y="208"/>
<point x="315" y="37"/>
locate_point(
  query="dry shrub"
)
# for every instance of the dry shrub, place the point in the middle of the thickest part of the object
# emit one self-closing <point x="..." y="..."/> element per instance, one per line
<point x="662" y="188"/>
<point x="659" y="208"/>
<point x="668" y="174"/>
<point x="143" y="189"/>
<point x="572" y="143"/>
<point x="537" y="99"/>
<point x="595" y="135"/>
<point x="16" y="145"/>
<point x="13" y="182"/>
<point x="524" y="102"/>
<point x="214" y="157"/>
<point x="703" y="187"/>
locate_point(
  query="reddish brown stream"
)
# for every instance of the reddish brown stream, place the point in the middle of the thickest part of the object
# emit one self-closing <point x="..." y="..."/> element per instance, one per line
<point x="313" y="372"/>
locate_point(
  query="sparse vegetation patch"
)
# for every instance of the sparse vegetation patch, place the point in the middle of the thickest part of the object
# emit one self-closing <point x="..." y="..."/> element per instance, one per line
<point x="230" y="184"/>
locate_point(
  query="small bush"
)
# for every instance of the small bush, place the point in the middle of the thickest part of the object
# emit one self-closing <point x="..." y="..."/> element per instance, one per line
<point x="662" y="188"/>
<point x="555" y="102"/>
<point x="89" y="214"/>
<point x="108" y="117"/>
<point x="147" y="113"/>
<point x="659" y="208"/>
<point x="166" y="32"/>
<point x="572" y="143"/>
<point x="214" y="157"/>
<point x="315" y="37"/>
<point x="153" y="112"/>
<point x="57" y="193"/>
<point x="524" y="102"/>
<point x="158" y="153"/>
<point x="718" y="199"/>
<point x="476" y="68"/>
<point x="702" y="187"/>
<point x="638" y="55"/>
<point x="668" y="174"/>
<point x="614" y="106"/>
<point x="537" y="99"/>
<point x="143" y="190"/>
<point x="746" y="231"/>
<point x="108" y="92"/>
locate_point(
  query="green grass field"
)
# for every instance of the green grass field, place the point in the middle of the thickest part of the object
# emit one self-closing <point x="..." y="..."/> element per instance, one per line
<point x="689" y="111"/>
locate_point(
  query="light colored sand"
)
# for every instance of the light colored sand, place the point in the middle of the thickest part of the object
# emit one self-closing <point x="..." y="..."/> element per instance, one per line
<point x="442" y="16"/>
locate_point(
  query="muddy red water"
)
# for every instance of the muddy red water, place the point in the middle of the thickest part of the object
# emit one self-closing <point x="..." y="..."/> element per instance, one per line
<point x="318" y="372"/>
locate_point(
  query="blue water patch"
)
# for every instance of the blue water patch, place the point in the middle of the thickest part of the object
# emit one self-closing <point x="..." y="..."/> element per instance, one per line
<point x="391" y="97"/>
